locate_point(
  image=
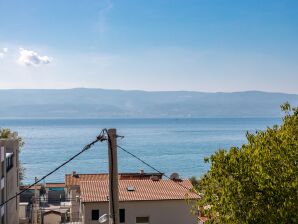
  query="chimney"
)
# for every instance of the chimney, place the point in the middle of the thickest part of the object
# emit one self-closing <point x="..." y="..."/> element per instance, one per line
<point x="141" y="171"/>
<point x="74" y="173"/>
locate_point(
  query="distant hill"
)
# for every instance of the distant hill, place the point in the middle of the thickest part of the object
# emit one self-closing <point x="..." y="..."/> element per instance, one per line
<point x="101" y="103"/>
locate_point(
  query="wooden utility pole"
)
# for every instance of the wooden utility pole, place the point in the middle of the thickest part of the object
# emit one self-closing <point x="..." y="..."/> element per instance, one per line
<point x="35" y="204"/>
<point x="113" y="178"/>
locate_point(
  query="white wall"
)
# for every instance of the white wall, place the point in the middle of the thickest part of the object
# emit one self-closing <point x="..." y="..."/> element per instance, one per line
<point x="160" y="212"/>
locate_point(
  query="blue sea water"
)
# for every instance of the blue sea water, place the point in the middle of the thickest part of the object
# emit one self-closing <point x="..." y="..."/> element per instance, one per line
<point x="170" y="145"/>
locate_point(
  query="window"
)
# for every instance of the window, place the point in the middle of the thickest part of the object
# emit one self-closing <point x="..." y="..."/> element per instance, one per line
<point x="142" y="219"/>
<point x="122" y="215"/>
<point x="95" y="214"/>
<point x="2" y="169"/>
<point x="9" y="161"/>
<point x="2" y="195"/>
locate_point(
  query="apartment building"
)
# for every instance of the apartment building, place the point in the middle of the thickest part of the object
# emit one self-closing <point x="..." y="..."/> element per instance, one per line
<point x="9" y="172"/>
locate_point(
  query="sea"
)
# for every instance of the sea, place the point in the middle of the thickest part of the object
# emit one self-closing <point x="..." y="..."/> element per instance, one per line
<point x="169" y="145"/>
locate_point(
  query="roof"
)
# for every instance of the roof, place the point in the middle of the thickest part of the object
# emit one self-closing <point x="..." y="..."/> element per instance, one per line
<point x="51" y="212"/>
<point x="71" y="179"/>
<point x="38" y="186"/>
<point x="139" y="176"/>
<point x="144" y="190"/>
<point x="75" y="179"/>
<point x="23" y="187"/>
<point x="62" y="185"/>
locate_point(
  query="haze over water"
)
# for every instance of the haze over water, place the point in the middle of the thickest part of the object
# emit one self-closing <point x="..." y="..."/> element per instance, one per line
<point x="170" y="145"/>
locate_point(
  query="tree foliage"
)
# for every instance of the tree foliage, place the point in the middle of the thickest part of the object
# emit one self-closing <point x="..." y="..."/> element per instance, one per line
<point x="5" y="133"/>
<point x="193" y="180"/>
<point x="257" y="183"/>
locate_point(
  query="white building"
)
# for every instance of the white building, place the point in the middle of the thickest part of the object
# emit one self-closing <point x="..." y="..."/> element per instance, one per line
<point x="153" y="201"/>
<point x="9" y="174"/>
<point x="73" y="189"/>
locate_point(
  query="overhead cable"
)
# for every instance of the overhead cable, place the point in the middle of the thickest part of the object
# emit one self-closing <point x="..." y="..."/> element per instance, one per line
<point x="100" y="138"/>
<point x="152" y="167"/>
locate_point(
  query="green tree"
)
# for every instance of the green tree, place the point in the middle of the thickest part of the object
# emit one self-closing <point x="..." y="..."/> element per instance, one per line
<point x="193" y="180"/>
<point x="5" y="133"/>
<point x="257" y="183"/>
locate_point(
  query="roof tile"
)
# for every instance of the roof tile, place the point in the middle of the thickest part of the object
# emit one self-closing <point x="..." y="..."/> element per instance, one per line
<point x="145" y="190"/>
<point x="71" y="179"/>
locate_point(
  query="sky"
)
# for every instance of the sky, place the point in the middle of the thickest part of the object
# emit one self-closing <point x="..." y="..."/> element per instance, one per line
<point x="199" y="45"/>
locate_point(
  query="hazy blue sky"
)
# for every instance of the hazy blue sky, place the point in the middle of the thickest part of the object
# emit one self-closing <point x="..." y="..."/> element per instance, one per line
<point x="203" y="45"/>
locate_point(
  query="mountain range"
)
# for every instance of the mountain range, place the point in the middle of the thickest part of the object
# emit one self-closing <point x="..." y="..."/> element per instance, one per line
<point x="103" y="103"/>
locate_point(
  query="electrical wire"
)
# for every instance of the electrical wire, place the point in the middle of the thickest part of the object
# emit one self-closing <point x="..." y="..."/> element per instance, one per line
<point x="100" y="138"/>
<point x="152" y="167"/>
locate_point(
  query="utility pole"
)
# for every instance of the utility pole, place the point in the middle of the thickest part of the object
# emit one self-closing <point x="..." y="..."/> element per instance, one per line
<point x="35" y="204"/>
<point x="113" y="178"/>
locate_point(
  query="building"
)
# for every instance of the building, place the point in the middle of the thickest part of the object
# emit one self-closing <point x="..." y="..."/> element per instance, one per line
<point x="72" y="185"/>
<point x="52" y="217"/>
<point x="55" y="193"/>
<point x="24" y="213"/>
<point x="73" y="191"/>
<point x="153" y="200"/>
<point x="9" y="171"/>
<point x="44" y="202"/>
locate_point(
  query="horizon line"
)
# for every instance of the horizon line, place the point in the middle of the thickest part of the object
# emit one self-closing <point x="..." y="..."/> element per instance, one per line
<point x="151" y="91"/>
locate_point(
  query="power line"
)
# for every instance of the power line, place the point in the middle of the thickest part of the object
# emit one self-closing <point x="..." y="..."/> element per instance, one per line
<point x="152" y="167"/>
<point x="100" y="138"/>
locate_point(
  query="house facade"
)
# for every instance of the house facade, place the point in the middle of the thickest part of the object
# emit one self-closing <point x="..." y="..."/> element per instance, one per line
<point x="141" y="201"/>
<point x="9" y="172"/>
<point x="73" y="188"/>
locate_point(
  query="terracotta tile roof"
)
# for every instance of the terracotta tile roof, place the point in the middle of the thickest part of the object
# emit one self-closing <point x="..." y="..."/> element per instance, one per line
<point x="139" y="176"/>
<point x="23" y="187"/>
<point x="144" y="190"/>
<point x="38" y="187"/>
<point x="51" y="212"/>
<point x="71" y="179"/>
<point x="55" y="185"/>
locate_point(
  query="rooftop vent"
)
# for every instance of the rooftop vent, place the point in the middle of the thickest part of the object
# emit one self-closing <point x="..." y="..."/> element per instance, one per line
<point x="130" y="188"/>
<point x="155" y="178"/>
<point x="74" y="174"/>
<point x="175" y="177"/>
